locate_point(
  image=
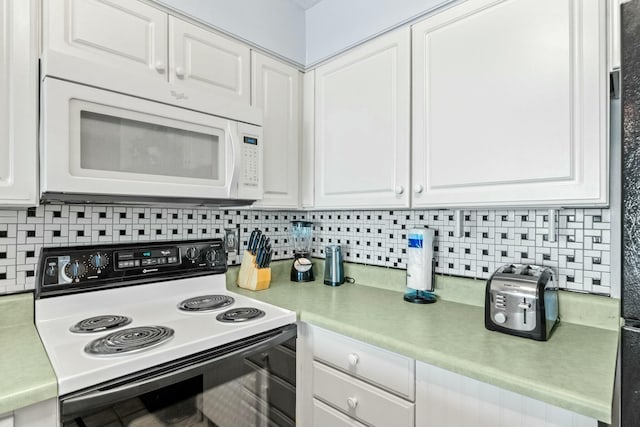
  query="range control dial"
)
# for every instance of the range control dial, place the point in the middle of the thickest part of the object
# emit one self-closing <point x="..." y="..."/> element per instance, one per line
<point x="192" y="253"/>
<point x="215" y="257"/>
<point x="99" y="260"/>
<point x="75" y="269"/>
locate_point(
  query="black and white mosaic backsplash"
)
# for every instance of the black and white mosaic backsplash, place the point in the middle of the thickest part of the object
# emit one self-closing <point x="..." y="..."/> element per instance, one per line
<point x="23" y="232"/>
<point x="581" y="255"/>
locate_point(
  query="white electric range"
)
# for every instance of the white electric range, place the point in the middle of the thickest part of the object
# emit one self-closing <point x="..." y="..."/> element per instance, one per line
<point x="129" y="325"/>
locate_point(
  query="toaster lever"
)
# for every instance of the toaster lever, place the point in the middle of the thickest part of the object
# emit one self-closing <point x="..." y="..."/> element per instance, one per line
<point x="524" y="305"/>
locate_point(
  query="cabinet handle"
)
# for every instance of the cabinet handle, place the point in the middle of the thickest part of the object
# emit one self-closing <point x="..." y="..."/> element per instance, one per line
<point x="353" y="359"/>
<point x="352" y="402"/>
<point x="399" y="189"/>
<point x="159" y="66"/>
<point x="180" y="72"/>
<point x="418" y="189"/>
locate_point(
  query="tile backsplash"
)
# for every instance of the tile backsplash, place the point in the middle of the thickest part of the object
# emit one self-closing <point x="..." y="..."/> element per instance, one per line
<point x="23" y="232"/>
<point x="581" y="255"/>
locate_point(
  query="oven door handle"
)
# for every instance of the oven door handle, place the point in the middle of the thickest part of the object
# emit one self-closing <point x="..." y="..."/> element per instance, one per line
<point x="99" y="398"/>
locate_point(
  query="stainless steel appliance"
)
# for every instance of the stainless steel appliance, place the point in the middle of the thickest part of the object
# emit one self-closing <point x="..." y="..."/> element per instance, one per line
<point x="522" y="300"/>
<point x="630" y="350"/>
<point x="333" y="265"/>
<point x="147" y="334"/>
<point x="301" y="237"/>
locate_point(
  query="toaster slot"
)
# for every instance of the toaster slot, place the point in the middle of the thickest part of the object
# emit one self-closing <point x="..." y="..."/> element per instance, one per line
<point x="524" y="306"/>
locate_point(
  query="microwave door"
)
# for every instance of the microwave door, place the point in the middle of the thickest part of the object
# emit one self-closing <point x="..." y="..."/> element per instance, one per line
<point x="101" y="143"/>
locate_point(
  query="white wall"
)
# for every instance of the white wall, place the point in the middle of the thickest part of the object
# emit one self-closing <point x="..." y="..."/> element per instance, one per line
<point x="333" y="25"/>
<point x="275" y="25"/>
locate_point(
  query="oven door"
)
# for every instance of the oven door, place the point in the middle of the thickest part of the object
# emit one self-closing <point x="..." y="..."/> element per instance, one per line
<point x="243" y="384"/>
<point x="97" y="142"/>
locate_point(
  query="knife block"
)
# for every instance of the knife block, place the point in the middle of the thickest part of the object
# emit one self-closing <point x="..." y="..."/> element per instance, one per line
<point x="250" y="276"/>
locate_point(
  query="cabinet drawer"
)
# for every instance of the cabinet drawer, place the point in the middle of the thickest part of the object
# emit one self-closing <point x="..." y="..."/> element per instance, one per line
<point x="326" y="416"/>
<point x="359" y="399"/>
<point x="383" y="368"/>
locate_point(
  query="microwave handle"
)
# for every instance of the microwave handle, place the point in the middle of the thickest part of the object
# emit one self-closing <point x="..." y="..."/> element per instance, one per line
<point x="232" y="168"/>
<point x="101" y="398"/>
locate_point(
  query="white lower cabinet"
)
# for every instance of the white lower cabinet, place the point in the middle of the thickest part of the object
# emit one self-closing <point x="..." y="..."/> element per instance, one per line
<point x="41" y="414"/>
<point x="325" y="415"/>
<point x="360" y="400"/>
<point x="346" y="382"/>
<point x="447" y="399"/>
<point x="350" y="383"/>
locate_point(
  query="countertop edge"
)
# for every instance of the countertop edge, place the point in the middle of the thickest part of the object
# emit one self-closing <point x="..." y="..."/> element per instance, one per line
<point x="28" y="397"/>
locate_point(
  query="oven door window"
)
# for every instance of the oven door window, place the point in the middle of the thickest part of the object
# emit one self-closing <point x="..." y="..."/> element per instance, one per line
<point x="255" y="390"/>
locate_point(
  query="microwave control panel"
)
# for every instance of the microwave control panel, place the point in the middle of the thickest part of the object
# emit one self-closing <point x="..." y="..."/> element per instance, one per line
<point x="250" y="161"/>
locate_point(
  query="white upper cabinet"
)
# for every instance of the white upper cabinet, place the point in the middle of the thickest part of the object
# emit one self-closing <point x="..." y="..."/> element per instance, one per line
<point x="132" y="47"/>
<point x="276" y="89"/>
<point x="510" y="105"/>
<point x="202" y="59"/>
<point x="18" y="103"/>
<point x="308" y="148"/>
<point x="115" y="35"/>
<point x="362" y="126"/>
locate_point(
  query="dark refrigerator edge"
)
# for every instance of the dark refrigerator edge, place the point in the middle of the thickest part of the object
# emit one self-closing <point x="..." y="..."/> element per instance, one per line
<point x="630" y="333"/>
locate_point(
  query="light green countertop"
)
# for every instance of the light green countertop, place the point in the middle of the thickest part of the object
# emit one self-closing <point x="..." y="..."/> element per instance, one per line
<point x="574" y="370"/>
<point x="26" y="376"/>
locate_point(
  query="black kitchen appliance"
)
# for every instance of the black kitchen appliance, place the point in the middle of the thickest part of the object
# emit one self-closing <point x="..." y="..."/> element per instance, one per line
<point x="630" y="77"/>
<point x="302" y="268"/>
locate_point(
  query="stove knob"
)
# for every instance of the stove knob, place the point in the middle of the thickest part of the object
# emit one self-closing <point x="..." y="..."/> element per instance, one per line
<point x="500" y="317"/>
<point x="51" y="270"/>
<point x="75" y="269"/>
<point x="192" y="253"/>
<point x="99" y="261"/>
<point x="215" y="257"/>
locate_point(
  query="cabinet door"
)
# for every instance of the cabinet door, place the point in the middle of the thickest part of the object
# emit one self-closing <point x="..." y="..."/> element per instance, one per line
<point x="362" y="127"/>
<point x="510" y="104"/>
<point x="276" y="89"/>
<point x="18" y="102"/>
<point x="88" y="40"/>
<point x="447" y="399"/>
<point x="201" y="59"/>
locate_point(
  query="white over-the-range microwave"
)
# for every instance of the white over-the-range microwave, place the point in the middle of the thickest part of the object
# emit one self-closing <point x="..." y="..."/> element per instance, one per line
<point x="99" y="145"/>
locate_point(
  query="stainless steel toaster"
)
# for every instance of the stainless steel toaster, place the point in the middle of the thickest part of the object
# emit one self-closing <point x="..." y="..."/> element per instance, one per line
<point x="522" y="300"/>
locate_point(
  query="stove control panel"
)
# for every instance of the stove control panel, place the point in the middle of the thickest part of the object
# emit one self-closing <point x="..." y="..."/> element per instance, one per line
<point x="85" y="267"/>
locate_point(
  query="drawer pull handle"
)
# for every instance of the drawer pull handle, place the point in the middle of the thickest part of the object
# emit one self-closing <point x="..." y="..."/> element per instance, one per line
<point x="352" y="402"/>
<point x="353" y="359"/>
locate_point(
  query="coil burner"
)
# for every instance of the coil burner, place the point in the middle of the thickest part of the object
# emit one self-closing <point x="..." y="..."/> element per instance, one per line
<point x="240" y="314"/>
<point x="100" y="323"/>
<point x="129" y="340"/>
<point x="206" y="303"/>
